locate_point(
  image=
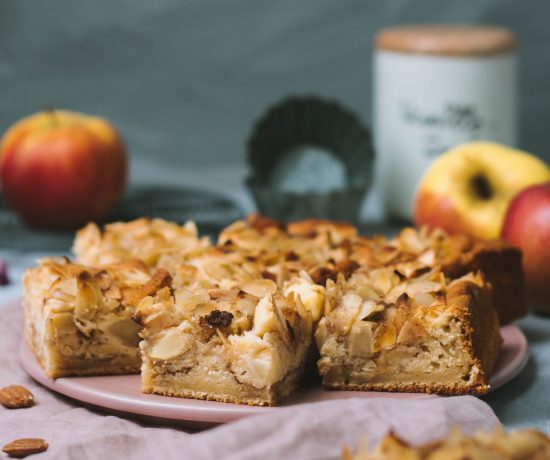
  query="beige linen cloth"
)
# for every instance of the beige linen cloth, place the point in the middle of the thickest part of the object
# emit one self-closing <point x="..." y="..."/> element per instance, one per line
<point x="309" y="431"/>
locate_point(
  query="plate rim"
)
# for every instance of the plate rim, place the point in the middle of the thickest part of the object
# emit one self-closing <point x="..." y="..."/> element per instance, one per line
<point x="212" y="412"/>
<point x="508" y="373"/>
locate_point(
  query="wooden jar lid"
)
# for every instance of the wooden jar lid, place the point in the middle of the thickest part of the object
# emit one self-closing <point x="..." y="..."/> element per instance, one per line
<point x="447" y="40"/>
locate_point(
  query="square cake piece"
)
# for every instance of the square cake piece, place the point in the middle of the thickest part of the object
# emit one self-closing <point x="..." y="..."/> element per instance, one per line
<point x="78" y="320"/>
<point x="383" y="331"/>
<point x="246" y="344"/>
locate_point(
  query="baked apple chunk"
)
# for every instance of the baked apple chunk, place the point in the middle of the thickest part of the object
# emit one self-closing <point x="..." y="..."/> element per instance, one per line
<point x="246" y="344"/>
<point x="78" y="320"/>
<point x="383" y="331"/>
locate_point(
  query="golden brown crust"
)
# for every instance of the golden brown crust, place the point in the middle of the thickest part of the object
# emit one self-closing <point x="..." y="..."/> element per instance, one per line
<point x="447" y="389"/>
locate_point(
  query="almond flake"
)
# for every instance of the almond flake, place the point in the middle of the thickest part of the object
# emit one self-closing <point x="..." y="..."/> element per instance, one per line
<point x="368" y="307"/>
<point x="260" y="288"/>
<point x="411" y="242"/>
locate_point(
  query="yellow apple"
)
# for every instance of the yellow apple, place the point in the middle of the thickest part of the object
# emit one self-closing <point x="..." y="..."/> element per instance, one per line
<point x="61" y="169"/>
<point x="468" y="188"/>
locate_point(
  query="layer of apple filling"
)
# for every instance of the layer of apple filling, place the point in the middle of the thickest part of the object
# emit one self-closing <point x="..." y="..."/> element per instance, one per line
<point x="243" y="345"/>
<point x="383" y="331"/>
<point x="78" y="319"/>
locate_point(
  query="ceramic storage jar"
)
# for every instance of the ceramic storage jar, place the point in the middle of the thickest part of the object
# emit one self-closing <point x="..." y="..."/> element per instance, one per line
<point x="436" y="86"/>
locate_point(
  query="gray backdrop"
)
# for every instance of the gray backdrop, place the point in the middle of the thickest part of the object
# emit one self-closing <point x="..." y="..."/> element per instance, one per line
<point x="184" y="80"/>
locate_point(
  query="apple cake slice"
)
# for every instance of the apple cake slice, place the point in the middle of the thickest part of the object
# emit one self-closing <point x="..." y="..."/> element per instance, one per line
<point x="246" y="344"/>
<point x="156" y="242"/>
<point x="78" y="320"/>
<point x="383" y="331"/>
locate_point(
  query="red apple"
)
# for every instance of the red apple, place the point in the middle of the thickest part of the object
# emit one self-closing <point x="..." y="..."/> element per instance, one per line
<point x="527" y="226"/>
<point x="61" y="169"/>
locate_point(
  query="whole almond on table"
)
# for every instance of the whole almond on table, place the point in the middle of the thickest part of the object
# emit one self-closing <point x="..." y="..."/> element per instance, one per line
<point x="16" y="397"/>
<point x="21" y="448"/>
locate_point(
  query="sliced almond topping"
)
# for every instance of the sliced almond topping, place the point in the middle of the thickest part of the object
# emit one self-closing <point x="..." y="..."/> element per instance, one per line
<point x="384" y="279"/>
<point x="223" y="295"/>
<point x="411" y="241"/>
<point x="68" y="286"/>
<point x="427" y="258"/>
<point x="416" y="287"/>
<point x="351" y="302"/>
<point x="260" y="287"/>
<point x="424" y="298"/>
<point x="368" y="308"/>
<point x="113" y="292"/>
<point x="368" y="292"/>
<point x="387" y="254"/>
<point x="186" y="301"/>
<point x="172" y="343"/>
<point x="410" y="269"/>
<point x="396" y="292"/>
<point x="132" y="296"/>
<point x="347" y="314"/>
<point x="88" y="297"/>
<point x="103" y="280"/>
<point x="311" y="295"/>
<point x="153" y="314"/>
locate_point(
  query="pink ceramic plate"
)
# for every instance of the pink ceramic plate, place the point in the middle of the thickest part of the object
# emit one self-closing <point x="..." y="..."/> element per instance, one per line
<point x="122" y="393"/>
